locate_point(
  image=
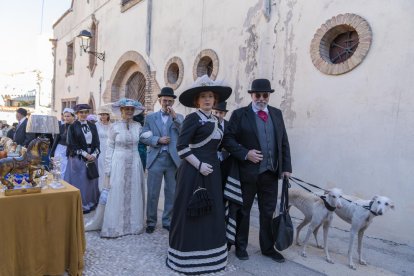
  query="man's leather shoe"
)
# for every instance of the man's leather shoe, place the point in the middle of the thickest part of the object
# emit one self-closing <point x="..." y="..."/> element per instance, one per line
<point x="276" y="256"/>
<point x="150" y="229"/>
<point x="166" y="227"/>
<point x="242" y="255"/>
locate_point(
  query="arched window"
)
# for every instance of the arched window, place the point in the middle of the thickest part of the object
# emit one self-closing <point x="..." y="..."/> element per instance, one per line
<point x="135" y="87"/>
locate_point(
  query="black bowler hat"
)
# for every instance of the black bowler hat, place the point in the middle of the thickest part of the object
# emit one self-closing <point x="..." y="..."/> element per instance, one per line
<point x="203" y="84"/>
<point x="221" y="106"/>
<point x="261" y="85"/>
<point x="167" y="92"/>
<point x="80" y="107"/>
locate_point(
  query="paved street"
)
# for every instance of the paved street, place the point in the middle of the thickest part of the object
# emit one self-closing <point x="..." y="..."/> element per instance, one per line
<point x="145" y="255"/>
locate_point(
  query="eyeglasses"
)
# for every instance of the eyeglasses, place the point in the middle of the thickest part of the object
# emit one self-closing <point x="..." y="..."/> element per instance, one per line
<point x="257" y="95"/>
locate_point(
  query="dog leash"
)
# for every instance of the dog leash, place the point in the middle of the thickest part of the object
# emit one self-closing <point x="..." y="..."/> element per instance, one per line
<point x="366" y="207"/>
<point x="310" y="184"/>
<point x="327" y="205"/>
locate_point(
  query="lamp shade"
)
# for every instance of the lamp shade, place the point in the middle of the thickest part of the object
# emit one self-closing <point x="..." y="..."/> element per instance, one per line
<point x="45" y="124"/>
<point x="84" y="34"/>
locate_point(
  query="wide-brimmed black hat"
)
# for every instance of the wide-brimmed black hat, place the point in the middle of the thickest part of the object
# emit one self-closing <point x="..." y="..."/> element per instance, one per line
<point x="80" y="107"/>
<point x="167" y="92"/>
<point x="261" y="85"/>
<point x="203" y="84"/>
<point x="221" y="106"/>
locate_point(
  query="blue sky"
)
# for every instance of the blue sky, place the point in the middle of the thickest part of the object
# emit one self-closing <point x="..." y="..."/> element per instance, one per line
<point x="25" y="42"/>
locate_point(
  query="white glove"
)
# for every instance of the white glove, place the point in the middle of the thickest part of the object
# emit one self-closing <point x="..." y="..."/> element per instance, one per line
<point x="204" y="168"/>
<point x="146" y="134"/>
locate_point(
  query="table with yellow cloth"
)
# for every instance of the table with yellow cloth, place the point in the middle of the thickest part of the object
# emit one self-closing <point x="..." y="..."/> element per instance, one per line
<point x="42" y="234"/>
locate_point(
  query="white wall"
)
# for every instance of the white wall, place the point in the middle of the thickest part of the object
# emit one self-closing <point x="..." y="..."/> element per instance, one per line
<point x="353" y="131"/>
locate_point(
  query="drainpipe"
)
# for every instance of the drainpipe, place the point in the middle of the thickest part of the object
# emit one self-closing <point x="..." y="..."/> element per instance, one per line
<point x="54" y="43"/>
<point x="149" y="19"/>
<point x="147" y="102"/>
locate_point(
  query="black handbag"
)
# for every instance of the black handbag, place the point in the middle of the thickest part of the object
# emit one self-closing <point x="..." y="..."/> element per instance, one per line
<point x="282" y="226"/>
<point x="91" y="170"/>
<point x="200" y="203"/>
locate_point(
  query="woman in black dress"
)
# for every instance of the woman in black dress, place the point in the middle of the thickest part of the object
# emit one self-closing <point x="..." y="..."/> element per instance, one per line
<point x="197" y="242"/>
<point x="82" y="146"/>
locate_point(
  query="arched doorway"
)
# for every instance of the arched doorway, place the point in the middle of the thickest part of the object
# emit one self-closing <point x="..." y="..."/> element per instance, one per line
<point x="135" y="87"/>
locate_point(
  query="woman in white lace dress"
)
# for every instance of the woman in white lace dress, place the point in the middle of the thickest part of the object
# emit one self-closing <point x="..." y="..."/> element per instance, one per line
<point x="103" y="126"/>
<point x="124" y="211"/>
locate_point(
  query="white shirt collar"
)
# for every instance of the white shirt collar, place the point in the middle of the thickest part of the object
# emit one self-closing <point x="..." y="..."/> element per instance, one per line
<point x="22" y="120"/>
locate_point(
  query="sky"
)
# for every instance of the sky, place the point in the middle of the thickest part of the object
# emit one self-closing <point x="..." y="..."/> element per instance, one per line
<point x="25" y="44"/>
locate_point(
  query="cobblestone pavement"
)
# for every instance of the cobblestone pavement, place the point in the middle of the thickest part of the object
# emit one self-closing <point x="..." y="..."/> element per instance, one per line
<point x="145" y="254"/>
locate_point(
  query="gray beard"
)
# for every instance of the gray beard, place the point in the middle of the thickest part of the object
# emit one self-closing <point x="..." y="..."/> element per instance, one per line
<point x="259" y="106"/>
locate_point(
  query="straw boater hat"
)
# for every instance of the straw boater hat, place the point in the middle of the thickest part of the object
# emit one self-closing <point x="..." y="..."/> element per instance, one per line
<point x="124" y="102"/>
<point x="203" y="84"/>
<point x="104" y="109"/>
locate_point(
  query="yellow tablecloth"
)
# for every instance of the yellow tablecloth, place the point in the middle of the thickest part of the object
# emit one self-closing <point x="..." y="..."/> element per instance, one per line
<point x="42" y="234"/>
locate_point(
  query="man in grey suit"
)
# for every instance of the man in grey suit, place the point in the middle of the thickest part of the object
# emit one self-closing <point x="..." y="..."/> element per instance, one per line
<point x="162" y="157"/>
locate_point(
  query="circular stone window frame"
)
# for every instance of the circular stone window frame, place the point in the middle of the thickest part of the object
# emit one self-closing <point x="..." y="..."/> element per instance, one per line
<point x="214" y="58"/>
<point x="179" y="63"/>
<point x="319" y="49"/>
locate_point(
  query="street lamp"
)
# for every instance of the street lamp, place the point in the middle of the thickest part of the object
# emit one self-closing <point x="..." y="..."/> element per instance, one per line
<point x="85" y="37"/>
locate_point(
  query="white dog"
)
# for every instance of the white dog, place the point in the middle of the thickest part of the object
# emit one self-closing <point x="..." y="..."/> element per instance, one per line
<point x="318" y="211"/>
<point x="360" y="218"/>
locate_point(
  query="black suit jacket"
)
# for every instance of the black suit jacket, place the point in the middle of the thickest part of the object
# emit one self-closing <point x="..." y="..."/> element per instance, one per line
<point x="241" y="136"/>
<point x="76" y="140"/>
<point x="21" y="137"/>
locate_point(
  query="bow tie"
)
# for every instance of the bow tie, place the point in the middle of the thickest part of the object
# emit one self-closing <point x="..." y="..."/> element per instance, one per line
<point x="263" y="115"/>
<point x="165" y="113"/>
<point x="85" y="128"/>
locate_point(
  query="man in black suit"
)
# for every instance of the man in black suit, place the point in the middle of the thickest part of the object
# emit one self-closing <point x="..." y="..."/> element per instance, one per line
<point x="256" y="137"/>
<point x="20" y="136"/>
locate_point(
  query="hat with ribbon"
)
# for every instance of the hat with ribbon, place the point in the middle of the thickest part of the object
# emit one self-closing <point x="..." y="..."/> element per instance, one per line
<point x="167" y="92"/>
<point x="125" y="102"/>
<point x="81" y="107"/>
<point x="203" y="84"/>
<point x="261" y="85"/>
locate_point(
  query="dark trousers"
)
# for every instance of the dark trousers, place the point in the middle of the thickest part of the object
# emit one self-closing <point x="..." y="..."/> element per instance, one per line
<point x="266" y="189"/>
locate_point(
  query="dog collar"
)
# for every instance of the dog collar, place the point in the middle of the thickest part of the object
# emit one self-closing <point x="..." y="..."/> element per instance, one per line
<point x="369" y="208"/>
<point x="327" y="205"/>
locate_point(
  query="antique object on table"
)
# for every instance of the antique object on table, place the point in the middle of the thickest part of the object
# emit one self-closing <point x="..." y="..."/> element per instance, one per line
<point x="57" y="174"/>
<point x="29" y="162"/>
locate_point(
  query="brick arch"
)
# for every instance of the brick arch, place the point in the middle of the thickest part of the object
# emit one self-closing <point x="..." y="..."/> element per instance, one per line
<point x="127" y="65"/>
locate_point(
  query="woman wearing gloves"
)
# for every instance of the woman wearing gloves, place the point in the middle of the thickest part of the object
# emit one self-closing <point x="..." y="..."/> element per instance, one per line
<point x="124" y="211"/>
<point x="82" y="147"/>
<point x="197" y="242"/>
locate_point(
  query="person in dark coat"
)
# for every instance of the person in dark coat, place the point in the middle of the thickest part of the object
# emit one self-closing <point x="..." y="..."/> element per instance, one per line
<point x="257" y="138"/>
<point x="20" y="136"/>
<point x="220" y="111"/>
<point x="142" y="148"/>
<point x="83" y="146"/>
<point x="12" y="130"/>
<point x="197" y="242"/>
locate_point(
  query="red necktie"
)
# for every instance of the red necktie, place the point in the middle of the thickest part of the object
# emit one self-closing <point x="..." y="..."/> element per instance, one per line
<point x="263" y="115"/>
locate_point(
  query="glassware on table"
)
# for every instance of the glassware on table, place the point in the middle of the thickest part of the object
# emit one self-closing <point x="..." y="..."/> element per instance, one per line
<point x="56" y="173"/>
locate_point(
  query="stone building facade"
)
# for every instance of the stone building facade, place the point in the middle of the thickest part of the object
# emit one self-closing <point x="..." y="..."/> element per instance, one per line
<point x="342" y="71"/>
